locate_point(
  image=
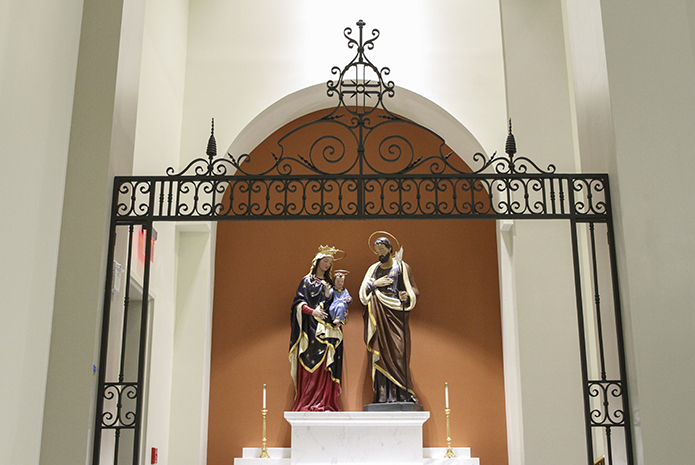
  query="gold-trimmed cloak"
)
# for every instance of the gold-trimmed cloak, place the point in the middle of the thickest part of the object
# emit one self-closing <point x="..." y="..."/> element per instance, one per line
<point x="387" y="331"/>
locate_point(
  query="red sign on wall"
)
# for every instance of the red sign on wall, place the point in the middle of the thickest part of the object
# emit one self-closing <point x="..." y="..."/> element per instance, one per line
<point x="142" y="238"/>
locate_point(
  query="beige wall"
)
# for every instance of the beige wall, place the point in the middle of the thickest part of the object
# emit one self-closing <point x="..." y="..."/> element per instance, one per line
<point x="38" y="58"/>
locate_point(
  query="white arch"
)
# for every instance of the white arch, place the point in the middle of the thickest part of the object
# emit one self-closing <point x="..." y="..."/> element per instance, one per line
<point x="405" y="103"/>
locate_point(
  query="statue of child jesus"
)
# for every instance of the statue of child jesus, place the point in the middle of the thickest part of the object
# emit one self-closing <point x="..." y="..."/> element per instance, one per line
<point x="338" y="312"/>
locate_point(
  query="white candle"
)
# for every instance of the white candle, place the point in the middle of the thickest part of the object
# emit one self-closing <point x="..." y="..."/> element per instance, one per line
<point x="264" y="396"/>
<point x="446" y="394"/>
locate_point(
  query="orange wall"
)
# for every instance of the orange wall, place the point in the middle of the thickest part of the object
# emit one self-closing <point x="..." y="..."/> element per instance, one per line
<point x="456" y="329"/>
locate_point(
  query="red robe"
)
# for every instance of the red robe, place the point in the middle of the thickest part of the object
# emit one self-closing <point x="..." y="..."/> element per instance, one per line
<point x="316" y="350"/>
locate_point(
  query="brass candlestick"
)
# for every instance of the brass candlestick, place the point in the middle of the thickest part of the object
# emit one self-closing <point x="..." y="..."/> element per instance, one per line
<point x="449" y="450"/>
<point x="264" y="449"/>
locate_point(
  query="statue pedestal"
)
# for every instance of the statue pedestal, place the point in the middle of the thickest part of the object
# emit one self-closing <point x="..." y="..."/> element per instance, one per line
<point x="357" y="438"/>
<point x="393" y="407"/>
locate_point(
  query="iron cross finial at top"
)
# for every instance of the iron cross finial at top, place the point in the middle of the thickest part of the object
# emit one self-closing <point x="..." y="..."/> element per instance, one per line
<point x="360" y="86"/>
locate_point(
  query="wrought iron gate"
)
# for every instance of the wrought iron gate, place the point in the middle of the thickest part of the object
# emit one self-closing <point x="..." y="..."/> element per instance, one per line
<point x="373" y="172"/>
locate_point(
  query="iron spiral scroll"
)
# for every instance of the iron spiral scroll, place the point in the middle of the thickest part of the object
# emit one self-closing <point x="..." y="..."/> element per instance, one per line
<point x="121" y="398"/>
<point x="605" y="392"/>
<point x="378" y="136"/>
<point x="352" y="197"/>
<point x="362" y="164"/>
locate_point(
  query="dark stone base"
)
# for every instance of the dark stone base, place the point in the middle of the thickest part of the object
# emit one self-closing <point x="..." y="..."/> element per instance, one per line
<point x="393" y="407"/>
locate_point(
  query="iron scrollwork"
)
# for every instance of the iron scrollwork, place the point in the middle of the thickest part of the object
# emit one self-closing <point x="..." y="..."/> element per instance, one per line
<point x="508" y="192"/>
<point x="589" y="196"/>
<point x="207" y="167"/>
<point x="605" y="392"/>
<point x="326" y="197"/>
<point x="375" y="170"/>
<point x="510" y="164"/>
<point x="121" y="398"/>
<point x="377" y="134"/>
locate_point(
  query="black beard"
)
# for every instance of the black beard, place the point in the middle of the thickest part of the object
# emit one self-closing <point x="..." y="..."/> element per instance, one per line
<point x="384" y="258"/>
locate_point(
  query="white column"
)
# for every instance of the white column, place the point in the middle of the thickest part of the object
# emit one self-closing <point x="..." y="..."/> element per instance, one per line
<point x="102" y="131"/>
<point x="191" y="357"/>
<point x="539" y="103"/>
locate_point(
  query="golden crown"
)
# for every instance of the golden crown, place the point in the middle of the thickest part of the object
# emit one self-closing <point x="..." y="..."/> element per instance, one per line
<point x="331" y="251"/>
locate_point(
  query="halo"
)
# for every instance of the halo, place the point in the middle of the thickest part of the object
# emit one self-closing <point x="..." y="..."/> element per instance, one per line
<point x="343" y="272"/>
<point x="383" y="233"/>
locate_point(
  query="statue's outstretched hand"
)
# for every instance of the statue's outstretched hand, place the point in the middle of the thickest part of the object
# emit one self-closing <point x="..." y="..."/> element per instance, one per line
<point x="318" y="313"/>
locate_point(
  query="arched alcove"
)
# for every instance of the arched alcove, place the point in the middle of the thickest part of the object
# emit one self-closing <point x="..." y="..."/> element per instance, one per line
<point x="456" y="327"/>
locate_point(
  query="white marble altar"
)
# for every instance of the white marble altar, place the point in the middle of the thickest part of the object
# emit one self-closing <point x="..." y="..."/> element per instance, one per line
<point x="357" y="438"/>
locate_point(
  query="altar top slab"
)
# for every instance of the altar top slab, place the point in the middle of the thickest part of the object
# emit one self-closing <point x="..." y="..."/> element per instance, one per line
<point x="357" y="418"/>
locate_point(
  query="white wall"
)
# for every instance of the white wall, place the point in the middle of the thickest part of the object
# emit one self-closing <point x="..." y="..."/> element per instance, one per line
<point x="590" y="92"/>
<point x="538" y="101"/>
<point x="101" y="140"/>
<point x="38" y="58"/>
<point x="157" y="146"/>
<point x="160" y="108"/>
<point x="192" y="339"/>
<point x="634" y="97"/>
<point x="595" y="154"/>
<point x="243" y="57"/>
<point x="651" y="76"/>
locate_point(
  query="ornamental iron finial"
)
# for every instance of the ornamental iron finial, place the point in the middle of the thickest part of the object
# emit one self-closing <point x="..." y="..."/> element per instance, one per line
<point x="509" y="164"/>
<point x="209" y="167"/>
<point x="510" y="146"/>
<point x="212" y="143"/>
